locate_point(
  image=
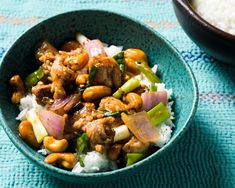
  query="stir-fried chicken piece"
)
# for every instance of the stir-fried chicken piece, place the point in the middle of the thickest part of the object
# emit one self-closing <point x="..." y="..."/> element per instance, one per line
<point x="112" y="104"/>
<point x="60" y="67"/>
<point x="107" y="71"/>
<point x="87" y="114"/>
<point x="132" y="101"/>
<point x="136" y="146"/>
<point x="65" y="69"/>
<point x="43" y="93"/>
<point x="46" y="52"/>
<point x="99" y="131"/>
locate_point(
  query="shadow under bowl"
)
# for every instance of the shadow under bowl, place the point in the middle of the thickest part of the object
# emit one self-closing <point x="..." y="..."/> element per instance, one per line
<point x="212" y="40"/>
<point x="110" y="28"/>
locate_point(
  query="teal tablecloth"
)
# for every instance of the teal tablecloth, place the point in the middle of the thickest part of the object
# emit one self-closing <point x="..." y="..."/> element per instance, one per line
<point x="204" y="157"/>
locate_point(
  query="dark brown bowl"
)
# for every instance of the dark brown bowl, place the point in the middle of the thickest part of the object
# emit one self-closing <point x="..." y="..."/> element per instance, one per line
<point x="212" y="40"/>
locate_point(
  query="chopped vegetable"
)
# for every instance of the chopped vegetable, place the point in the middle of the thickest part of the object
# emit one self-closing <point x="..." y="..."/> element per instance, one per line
<point x="120" y="61"/>
<point x="140" y="125"/>
<point x="82" y="143"/>
<point x="95" y="48"/>
<point x="34" y="77"/>
<point x="92" y="75"/>
<point x="64" y="105"/>
<point x="133" y="158"/>
<point x="150" y="99"/>
<point x="82" y="147"/>
<point x="121" y="133"/>
<point x="159" y="114"/>
<point x="53" y="123"/>
<point x="128" y="86"/>
<point x="82" y="39"/>
<point x="113" y="114"/>
<point x="38" y="128"/>
<point x="152" y="88"/>
<point x="147" y="71"/>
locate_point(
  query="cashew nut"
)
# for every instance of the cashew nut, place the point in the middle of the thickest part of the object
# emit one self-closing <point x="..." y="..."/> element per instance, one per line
<point x="133" y="100"/>
<point x="19" y="90"/>
<point x="95" y="92"/>
<point x="75" y="62"/>
<point x="82" y="79"/>
<point x="55" y="146"/>
<point x="132" y="56"/>
<point x="67" y="160"/>
<point x="27" y="134"/>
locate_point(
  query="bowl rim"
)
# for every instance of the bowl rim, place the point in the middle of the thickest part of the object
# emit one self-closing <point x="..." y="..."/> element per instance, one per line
<point x="70" y="175"/>
<point x="186" y="5"/>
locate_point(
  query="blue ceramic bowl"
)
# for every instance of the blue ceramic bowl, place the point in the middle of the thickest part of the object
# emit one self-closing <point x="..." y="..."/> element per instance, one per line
<point x="113" y="29"/>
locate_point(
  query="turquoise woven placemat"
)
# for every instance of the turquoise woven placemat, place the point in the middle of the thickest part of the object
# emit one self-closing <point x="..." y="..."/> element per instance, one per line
<point x="204" y="157"/>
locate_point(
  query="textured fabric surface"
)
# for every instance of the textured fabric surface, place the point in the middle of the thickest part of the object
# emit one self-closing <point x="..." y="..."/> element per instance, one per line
<point x="204" y="156"/>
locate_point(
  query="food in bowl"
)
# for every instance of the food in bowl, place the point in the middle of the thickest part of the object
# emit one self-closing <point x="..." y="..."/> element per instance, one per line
<point x="220" y="14"/>
<point x="90" y="107"/>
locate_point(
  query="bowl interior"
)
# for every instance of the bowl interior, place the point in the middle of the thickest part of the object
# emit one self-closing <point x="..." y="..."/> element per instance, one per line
<point x="111" y="29"/>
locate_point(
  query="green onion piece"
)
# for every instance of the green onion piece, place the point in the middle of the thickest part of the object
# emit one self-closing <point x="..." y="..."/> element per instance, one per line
<point x="38" y="128"/>
<point x="120" y="61"/>
<point x="82" y="143"/>
<point x="92" y="75"/>
<point x="147" y="71"/>
<point x="159" y="114"/>
<point x="133" y="158"/>
<point x="120" y="55"/>
<point x="34" y="77"/>
<point x="152" y="87"/>
<point x="118" y="94"/>
<point x="128" y="86"/>
<point x="81" y="158"/>
<point x="113" y="114"/>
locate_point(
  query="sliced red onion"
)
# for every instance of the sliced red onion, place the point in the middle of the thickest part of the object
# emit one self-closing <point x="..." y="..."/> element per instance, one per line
<point x="66" y="103"/>
<point x="53" y="123"/>
<point x="94" y="48"/>
<point x="150" y="99"/>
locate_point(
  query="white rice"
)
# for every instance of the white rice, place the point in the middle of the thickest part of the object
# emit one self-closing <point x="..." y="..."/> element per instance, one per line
<point x="220" y="13"/>
<point x="27" y="103"/>
<point x="94" y="162"/>
<point x="44" y="151"/>
<point x="165" y="134"/>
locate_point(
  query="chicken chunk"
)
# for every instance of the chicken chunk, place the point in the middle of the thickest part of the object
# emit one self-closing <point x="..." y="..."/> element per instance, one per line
<point x="99" y="131"/>
<point x="46" y="52"/>
<point x="136" y="146"/>
<point x="112" y="104"/>
<point x="43" y="93"/>
<point x="87" y="114"/>
<point x="132" y="101"/>
<point x="107" y="71"/>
